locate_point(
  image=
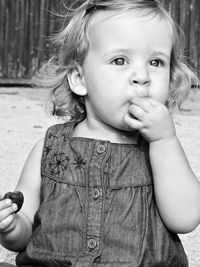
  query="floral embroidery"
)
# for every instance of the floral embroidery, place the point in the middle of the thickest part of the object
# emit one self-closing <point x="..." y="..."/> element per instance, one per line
<point x="59" y="163"/>
<point x="79" y="162"/>
<point x="65" y="137"/>
<point x="47" y="149"/>
<point x="51" y="136"/>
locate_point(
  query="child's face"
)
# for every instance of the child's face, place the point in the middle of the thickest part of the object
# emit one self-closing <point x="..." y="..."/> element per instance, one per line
<point x="128" y="57"/>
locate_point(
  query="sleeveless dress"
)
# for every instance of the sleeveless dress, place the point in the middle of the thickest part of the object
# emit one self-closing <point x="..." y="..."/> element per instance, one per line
<point x="98" y="207"/>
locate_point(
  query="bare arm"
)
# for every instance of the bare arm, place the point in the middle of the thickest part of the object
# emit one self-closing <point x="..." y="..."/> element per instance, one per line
<point x="16" y="229"/>
<point x="177" y="190"/>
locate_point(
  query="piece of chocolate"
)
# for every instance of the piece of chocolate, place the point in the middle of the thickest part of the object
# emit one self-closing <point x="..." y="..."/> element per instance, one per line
<point x="17" y="197"/>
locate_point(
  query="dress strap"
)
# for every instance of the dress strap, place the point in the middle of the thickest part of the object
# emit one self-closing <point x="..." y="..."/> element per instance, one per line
<point x="63" y="130"/>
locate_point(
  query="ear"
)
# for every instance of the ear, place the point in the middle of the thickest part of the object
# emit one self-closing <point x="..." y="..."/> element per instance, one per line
<point x="76" y="81"/>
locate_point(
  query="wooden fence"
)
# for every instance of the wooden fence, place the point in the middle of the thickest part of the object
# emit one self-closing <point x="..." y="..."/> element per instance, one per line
<point x="24" y="28"/>
<point x="26" y="24"/>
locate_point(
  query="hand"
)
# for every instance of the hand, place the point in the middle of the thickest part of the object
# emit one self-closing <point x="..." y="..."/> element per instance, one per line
<point x="151" y="118"/>
<point x="7" y="215"/>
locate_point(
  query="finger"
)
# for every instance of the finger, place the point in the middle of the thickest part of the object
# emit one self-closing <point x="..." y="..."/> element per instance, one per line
<point x="154" y="102"/>
<point x="137" y="111"/>
<point x="143" y="102"/>
<point x="7" y="210"/>
<point x="132" y="123"/>
<point x="1" y="196"/>
<point x="5" y="203"/>
<point x="8" y="223"/>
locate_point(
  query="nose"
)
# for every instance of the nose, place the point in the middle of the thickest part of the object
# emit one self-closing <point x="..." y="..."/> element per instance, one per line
<point x="140" y="75"/>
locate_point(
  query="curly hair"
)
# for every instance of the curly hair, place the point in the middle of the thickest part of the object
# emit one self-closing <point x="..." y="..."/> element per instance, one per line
<point x="73" y="43"/>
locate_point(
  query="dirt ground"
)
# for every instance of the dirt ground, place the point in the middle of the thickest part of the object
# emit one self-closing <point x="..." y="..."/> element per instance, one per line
<point x="23" y="121"/>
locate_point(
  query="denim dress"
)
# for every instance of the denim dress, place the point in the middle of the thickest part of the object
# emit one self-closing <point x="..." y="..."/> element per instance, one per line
<point x="98" y="207"/>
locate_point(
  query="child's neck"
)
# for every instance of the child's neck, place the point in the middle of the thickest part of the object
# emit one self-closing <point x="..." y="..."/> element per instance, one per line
<point x="97" y="130"/>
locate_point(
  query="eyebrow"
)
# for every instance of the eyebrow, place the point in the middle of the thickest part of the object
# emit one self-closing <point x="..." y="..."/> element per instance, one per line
<point x="131" y="51"/>
<point x="162" y="54"/>
<point x="118" y="51"/>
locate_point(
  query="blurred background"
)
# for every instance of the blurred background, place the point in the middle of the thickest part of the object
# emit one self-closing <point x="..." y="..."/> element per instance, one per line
<point x="25" y="26"/>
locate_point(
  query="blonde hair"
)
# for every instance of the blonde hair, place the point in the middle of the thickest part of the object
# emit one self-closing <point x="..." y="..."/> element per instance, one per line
<point x="72" y="43"/>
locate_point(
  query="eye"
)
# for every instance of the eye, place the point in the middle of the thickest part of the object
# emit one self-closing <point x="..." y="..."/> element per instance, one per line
<point x="119" y="61"/>
<point x="156" y="62"/>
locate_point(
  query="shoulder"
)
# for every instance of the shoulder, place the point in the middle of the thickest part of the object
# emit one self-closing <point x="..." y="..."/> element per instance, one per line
<point x="38" y="147"/>
<point x="58" y="129"/>
<point x="53" y="132"/>
<point x="30" y="180"/>
<point x="57" y="133"/>
<point x="36" y="152"/>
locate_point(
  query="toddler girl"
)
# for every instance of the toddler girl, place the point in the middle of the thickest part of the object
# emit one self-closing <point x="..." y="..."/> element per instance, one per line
<point x="112" y="186"/>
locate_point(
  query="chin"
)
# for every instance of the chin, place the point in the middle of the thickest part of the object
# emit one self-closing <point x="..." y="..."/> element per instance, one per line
<point x="127" y="128"/>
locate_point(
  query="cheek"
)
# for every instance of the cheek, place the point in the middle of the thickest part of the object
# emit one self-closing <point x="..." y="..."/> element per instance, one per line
<point x="101" y="86"/>
<point x="94" y="80"/>
<point x="164" y="97"/>
<point x="161" y="93"/>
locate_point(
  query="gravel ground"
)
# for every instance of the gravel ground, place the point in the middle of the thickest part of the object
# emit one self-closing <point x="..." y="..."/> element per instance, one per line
<point x="24" y="122"/>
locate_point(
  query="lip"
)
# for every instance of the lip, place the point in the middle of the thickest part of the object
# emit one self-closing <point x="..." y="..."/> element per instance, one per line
<point x="131" y="100"/>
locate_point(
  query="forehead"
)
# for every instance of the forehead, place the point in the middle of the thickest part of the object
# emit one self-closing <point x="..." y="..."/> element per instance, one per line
<point x="130" y="29"/>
